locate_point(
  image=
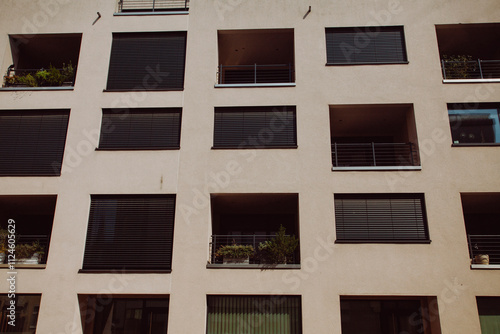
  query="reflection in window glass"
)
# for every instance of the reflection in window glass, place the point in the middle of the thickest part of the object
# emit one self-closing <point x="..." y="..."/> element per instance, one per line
<point x="26" y="314"/>
<point x="489" y="314"/>
<point x="474" y="126"/>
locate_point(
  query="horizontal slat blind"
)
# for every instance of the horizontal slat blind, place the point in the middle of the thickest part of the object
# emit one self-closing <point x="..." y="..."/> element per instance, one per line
<point x="32" y="142"/>
<point x="240" y="127"/>
<point x="254" y="315"/>
<point x="365" y="45"/>
<point x="380" y="218"/>
<point x="140" y="129"/>
<point x="147" y="61"/>
<point x="130" y="232"/>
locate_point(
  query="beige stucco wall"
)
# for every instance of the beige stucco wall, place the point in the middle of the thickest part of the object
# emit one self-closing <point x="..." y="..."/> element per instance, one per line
<point x="328" y="271"/>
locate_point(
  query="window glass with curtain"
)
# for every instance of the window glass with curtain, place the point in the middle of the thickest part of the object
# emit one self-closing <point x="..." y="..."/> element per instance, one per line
<point x="365" y="45"/>
<point x="130" y="232"/>
<point x="145" y="128"/>
<point x="255" y="127"/>
<point x="476" y="125"/>
<point x="26" y="313"/>
<point x="254" y="314"/>
<point x="489" y="314"/>
<point x="381" y="218"/>
<point x="147" y="61"/>
<point x="32" y="142"/>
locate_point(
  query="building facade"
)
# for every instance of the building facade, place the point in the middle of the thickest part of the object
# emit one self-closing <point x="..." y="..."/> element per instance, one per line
<point x="139" y="140"/>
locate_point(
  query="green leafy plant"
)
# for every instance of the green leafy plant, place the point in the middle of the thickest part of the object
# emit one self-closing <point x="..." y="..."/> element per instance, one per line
<point x="235" y="251"/>
<point x="3" y="240"/>
<point x="459" y="66"/>
<point x="51" y="77"/>
<point x="26" y="251"/>
<point x="280" y="249"/>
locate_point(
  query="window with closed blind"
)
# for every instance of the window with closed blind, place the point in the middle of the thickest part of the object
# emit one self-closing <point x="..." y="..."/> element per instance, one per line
<point x="255" y="127"/>
<point x="130" y="232"/>
<point x="32" y="142"/>
<point x="147" y="61"/>
<point x="365" y="45"/>
<point x="140" y="129"/>
<point x="254" y="314"/>
<point x="366" y="218"/>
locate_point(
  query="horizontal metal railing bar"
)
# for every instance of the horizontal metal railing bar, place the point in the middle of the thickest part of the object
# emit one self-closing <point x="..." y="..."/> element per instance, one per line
<point x="218" y="240"/>
<point x="11" y="72"/>
<point x="42" y="239"/>
<point x="265" y="73"/>
<point x="374" y="154"/>
<point x="484" y="244"/>
<point x="470" y="69"/>
<point x="152" y="5"/>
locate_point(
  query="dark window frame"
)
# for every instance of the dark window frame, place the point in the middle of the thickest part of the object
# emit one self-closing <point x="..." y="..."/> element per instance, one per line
<point x="244" y="130"/>
<point x="127" y="72"/>
<point x="28" y="157"/>
<point x="374" y="225"/>
<point x="457" y="120"/>
<point x="118" y="240"/>
<point x="371" y="39"/>
<point x="117" y="132"/>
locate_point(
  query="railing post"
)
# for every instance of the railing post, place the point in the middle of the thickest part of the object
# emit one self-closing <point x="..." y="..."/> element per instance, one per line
<point x="186" y="4"/>
<point x="153" y="5"/>
<point x="220" y="74"/>
<point x="411" y="154"/>
<point x="336" y="155"/>
<point x="480" y="69"/>
<point x="255" y="74"/>
<point x="470" y="247"/>
<point x="373" y="151"/>
<point x="289" y="72"/>
<point x="212" y="252"/>
<point x="444" y="68"/>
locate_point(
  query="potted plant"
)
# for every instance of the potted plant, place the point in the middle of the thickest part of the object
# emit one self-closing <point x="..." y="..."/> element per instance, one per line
<point x="235" y="254"/>
<point x="280" y="249"/>
<point x="482" y="259"/>
<point x="3" y="245"/>
<point x="51" y="77"/>
<point x="459" y="66"/>
<point x="29" y="253"/>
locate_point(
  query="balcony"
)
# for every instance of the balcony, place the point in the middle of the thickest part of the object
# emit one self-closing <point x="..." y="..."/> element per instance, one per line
<point x="373" y="137"/>
<point x="473" y="69"/>
<point x="373" y="154"/>
<point x="255" y="74"/>
<point x="482" y="216"/>
<point x="256" y="58"/>
<point x="31" y="249"/>
<point x="254" y="231"/>
<point x="42" y="62"/>
<point x="145" y="6"/>
<point x="469" y="52"/>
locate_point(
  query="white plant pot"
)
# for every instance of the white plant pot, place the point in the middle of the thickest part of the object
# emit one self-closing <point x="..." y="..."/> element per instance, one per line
<point x="231" y="260"/>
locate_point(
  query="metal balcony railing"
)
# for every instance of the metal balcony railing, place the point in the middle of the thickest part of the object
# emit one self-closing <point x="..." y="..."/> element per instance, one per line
<point x="42" y="240"/>
<point x="374" y="154"/>
<point x="152" y="5"/>
<point x="255" y="74"/>
<point x="20" y="78"/>
<point x="485" y="245"/>
<point x="217" y="240"/>
<point x="475" y="69"/>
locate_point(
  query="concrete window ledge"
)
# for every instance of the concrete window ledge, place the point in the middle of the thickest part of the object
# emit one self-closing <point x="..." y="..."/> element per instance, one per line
<point x="183" y="12"/>
<point x="23" y="266"/>
<point x="471" y="80"/>
<point x="10" y="89"/>
<point x="287" y="84"/>
<point x="382" y="168"/>
<point x="485" y="266"/>
<point x="253" y="266"/>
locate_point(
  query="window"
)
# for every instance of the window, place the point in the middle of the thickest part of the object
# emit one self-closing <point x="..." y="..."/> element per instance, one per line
<point x="258" y="57"/>
<point x="254" y="314"/>
<point x="388" y="316"/>
<point x="380" y="218"/>
<point x="43" y="60"/>
<point x="469" y="51"/>
<point x="130" y="232"/>
<point x="477" y="124"/>
<point x="147" y="61"/>
<point x="374" y="137"/>
<point x="365" y="45"/>
<point x="489" y="314"/>
<point x="33" y="217"/>
<point x="124" y="315"/>
<point x="26" y="313"/>
<point x="32" y="142"/>
<point x="255" y="127"/>
<point x="140" y="129"/>
<point x="158" y="6"/>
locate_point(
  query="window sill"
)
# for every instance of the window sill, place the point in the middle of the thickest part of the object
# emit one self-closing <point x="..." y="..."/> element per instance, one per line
<point x="382" y="241"/>
<point x="284" y="84"/>
<point x="475" y="145"/>
<point x="171" y="12"/>
<point x="139" y="149"/>
<point x="354" y="64"/>
<point x="253" y="266"/>
<point x="485" y="266"/>
<point x="254" y="147"/>
<point x="381" y="168"/>
<point x="452" y="81"/>
<point x="23" y="266"/>
<point x="139" y="89"/>
<point x="123" y="271"/>
<point x="9" y="89"/>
